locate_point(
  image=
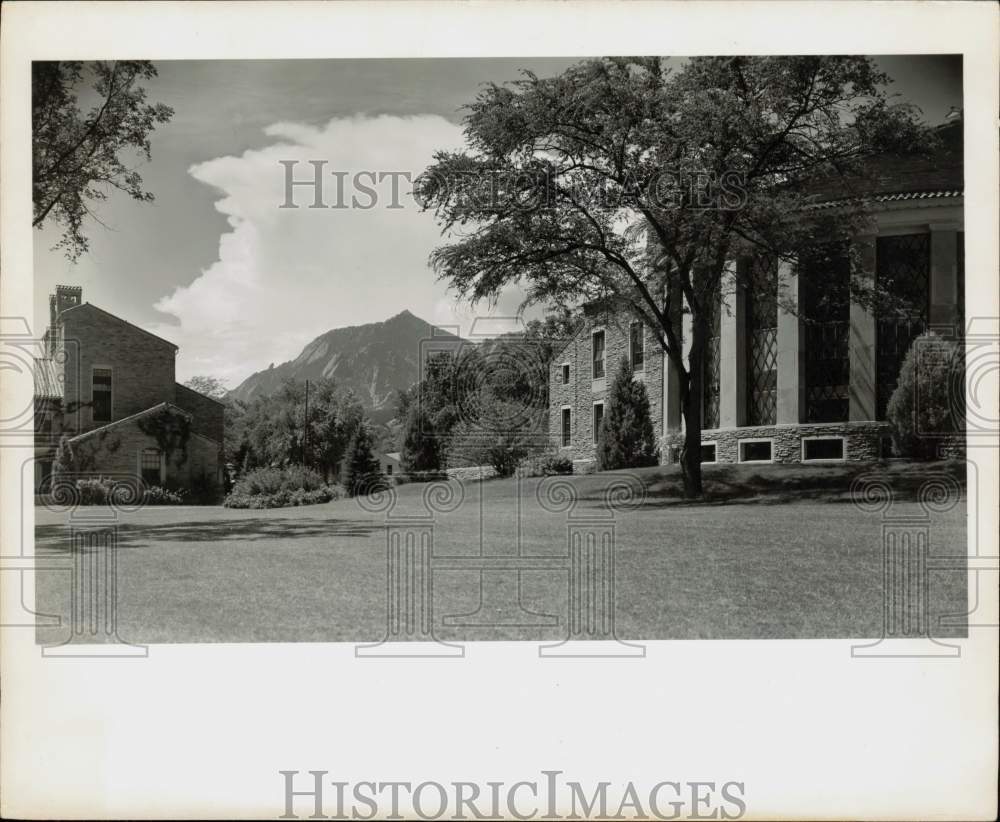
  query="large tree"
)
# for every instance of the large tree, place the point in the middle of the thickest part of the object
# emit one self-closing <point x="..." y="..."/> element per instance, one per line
<point x="276" y="429"/>
<point x="622" y="181"/>
<point x="78" y="158"/>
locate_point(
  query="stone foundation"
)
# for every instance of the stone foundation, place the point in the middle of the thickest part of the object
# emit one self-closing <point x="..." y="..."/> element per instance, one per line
<point x="863" y="441"/>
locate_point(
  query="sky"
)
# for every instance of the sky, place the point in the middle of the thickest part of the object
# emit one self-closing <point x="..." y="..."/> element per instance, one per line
<point x="216" y="266"/>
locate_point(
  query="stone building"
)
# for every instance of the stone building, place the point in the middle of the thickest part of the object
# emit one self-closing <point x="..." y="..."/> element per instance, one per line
<point x="785" y="381"/>
<point x="108" y="387"/>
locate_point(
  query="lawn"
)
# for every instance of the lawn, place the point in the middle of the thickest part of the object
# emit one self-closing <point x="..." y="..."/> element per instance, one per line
<point x="775" y="552"/>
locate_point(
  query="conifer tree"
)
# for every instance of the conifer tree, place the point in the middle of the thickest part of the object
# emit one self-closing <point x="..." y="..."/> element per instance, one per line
<point x="361" y="469"/>
<point x="626" y="438"/>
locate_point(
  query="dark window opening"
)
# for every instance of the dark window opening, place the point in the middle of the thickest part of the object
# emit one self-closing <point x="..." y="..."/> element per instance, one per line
<point x="388" y="470"/>
<point x="902" y="271"/>
<point x="567" y="431"/>
<point x="824" y="280"/>
<point x="598" y="419"/>
<point x="708" y="453"/>
<point x="755" y="451"/>
<point x="597" y="345"/>
<point x="101" y="395"/>
<point x="825" y="449"/>
<point x="637" y="350"/>
<point x="151" y="466"/>
<point x="565" y="374"/>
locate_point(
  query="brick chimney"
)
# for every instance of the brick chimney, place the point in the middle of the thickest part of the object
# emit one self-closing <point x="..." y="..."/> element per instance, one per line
<point x="66" y="296"/>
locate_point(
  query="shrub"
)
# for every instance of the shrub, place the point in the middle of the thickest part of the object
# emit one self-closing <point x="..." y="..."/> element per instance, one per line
<point x="929" y="397"/>
<point x="626" y="438"/>
<point x="93" y="491"/>
<point x="557" y="465"/>
<point x="545" y="465"/>
<point x="280" y="487"/>
<point x="269" y="481"/>
<point x="284" y="499"/>
<point x="155" y="495"/>
<point x="97" y="491"/>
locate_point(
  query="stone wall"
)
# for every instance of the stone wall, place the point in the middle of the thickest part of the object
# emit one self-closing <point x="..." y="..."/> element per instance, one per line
<point x="583" y="391"/>
<point x="863" y="440"/>
<point x="472" y="473"/>
<point x="142" y="364"/>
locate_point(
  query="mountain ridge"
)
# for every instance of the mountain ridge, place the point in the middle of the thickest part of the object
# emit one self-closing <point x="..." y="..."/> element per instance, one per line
<point x="375" y="360"/>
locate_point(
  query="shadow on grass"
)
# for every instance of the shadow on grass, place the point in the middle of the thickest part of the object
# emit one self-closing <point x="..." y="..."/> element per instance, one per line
<point x="782" y="484"/>
<point x="53" y="537"/>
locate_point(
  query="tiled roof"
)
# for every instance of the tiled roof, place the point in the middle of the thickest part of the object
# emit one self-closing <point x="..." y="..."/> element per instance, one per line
<point x="890" y="198"/>
<point x="48" y="380"/>
<point x="896" y="177"/>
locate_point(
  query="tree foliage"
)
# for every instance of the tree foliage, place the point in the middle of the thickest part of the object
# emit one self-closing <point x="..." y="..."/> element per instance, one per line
<point x="485" y="403"/>
<point x="275" y="430"/>
<point x="77" y="158"/>
<point x="209" y="386"/>
<point x="626" y="438"/>
<point x="423" y="448"/>
<point x="624" y="182"/>
<point x="361" y="472"/>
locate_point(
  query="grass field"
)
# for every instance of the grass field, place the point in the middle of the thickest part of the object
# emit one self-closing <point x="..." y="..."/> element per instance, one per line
<point x="774" y="552"/>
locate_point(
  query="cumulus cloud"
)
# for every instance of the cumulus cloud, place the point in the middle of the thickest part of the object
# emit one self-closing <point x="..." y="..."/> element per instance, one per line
<point x="285" y="275"/>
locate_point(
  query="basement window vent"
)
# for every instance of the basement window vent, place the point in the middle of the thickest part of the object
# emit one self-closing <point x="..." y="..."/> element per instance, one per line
<point x="829" y="448"/>
<point x="755" y="451"/>
<point x="708" y="452"/>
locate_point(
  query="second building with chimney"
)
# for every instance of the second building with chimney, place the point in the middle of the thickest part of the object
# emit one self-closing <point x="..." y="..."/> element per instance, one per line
<point x="106" y="389"/>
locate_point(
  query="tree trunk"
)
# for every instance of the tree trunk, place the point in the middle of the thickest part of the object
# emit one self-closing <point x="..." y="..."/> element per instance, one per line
<point x="691" y="401"/>
<point x="691" y="450"/>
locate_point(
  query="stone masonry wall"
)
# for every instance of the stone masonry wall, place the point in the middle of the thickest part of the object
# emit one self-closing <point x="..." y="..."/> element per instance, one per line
<point x="582" y="391"/>
<point x="143" y="365"/>
<point x="863" y="440"/>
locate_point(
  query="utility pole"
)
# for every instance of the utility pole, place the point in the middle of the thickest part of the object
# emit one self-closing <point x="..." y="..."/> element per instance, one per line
<point x="305" y="430"/>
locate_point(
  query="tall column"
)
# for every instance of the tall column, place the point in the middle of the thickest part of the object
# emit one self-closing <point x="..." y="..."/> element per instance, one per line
<point x="791" y="347"/>
<point x="861" y="343"/>
<point x="732" y="352"/>
<point x="944" y="274"/>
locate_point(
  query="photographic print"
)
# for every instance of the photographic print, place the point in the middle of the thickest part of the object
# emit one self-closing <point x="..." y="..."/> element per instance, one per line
<point x="696" y="297"/>
<point x="576" y="357"/>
